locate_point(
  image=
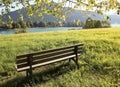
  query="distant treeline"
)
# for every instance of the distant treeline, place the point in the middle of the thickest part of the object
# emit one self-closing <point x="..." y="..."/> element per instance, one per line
<point x="30" y="24"/>
<point x="90" y="23"/>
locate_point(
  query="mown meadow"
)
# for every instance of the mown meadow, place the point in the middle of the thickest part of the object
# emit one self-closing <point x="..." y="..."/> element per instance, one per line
<point x="99" y="63"/>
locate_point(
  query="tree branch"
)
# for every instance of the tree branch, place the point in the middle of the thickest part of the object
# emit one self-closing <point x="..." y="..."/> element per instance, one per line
<point x="77" y="2"/>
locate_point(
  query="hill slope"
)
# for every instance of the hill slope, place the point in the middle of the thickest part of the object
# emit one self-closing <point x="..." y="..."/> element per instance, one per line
<point x="71" y="16"/>
<point x="115" y="19"/>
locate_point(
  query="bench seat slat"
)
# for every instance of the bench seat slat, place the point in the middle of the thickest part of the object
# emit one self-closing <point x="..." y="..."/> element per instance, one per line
<point x="45" y="63"/>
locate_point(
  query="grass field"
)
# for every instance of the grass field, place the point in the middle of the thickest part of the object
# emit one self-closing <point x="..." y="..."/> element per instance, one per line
<point x="99" y="63"/>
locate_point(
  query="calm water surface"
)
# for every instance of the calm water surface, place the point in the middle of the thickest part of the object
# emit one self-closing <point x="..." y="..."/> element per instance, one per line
<point x="11" y="31"/>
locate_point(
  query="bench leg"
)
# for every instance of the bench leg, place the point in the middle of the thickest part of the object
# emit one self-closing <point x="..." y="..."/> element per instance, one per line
<point x="76" y="62"/>
<point x="29" y="77"/>
<point x="69" y="60"/>
<point x="29" y="74"/>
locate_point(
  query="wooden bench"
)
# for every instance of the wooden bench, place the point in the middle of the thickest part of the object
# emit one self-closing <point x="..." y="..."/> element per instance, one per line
<point x="27" y="62"/>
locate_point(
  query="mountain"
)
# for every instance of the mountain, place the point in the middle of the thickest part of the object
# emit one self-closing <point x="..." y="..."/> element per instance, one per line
<point x="115" y="19"/>
<point x="80" y="15"/>
<point x="71" y="16"/>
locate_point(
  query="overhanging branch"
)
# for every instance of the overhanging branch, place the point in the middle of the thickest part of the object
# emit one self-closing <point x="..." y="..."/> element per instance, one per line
<point x="77" y="2"/>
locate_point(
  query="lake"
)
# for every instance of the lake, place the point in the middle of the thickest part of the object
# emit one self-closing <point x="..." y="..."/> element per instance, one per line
<point x="41" y="29"/>
<point x="115" y="25"/>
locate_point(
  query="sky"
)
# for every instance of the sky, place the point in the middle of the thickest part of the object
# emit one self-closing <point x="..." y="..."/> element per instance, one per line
<point x="32" y="2"/>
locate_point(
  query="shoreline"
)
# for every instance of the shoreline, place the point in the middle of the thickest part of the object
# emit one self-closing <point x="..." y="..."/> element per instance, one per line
<point x="37" y="29"/>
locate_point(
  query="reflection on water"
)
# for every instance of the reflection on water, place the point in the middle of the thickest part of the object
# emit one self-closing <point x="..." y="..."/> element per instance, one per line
<point x="11" y="31"/>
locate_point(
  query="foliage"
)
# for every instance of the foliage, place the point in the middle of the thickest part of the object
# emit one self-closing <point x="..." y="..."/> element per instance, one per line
<point x="90" y="23"/>
<point x="31" y="24"/>
<point x="17" y="31"/>
<point x="99" y="63"/>
<point x="56" y="9"/>
<point x="97" y="24"/>
<point x="106" y="24"/>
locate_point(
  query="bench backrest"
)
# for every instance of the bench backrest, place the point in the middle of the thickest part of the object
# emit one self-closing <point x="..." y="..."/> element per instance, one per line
<point x="35" y="59"/>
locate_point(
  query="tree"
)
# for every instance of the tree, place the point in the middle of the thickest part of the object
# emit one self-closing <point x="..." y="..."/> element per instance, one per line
<point x="35" y="24"/>
<point x="23" y="24"/>
<point x="57" y="9"/>
<point x="30" y="23"/>
<point x="18" y="26"/>
<point x="77" y="22"/>
<point x="97" y="24"/>
<point x="89" y="23"/>
<point x="41" y="24"/>
<point x="105" y="24"/>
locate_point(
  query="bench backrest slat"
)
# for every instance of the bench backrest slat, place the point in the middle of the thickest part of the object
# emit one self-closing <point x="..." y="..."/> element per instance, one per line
<point x="47" y="59"/>
<point x="44" y="55"/>
<point x="53" y="58"/>
<point x="46" y="51"/>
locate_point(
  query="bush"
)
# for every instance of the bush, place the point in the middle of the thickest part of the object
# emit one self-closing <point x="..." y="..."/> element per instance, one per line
<point x="17" y="31"/>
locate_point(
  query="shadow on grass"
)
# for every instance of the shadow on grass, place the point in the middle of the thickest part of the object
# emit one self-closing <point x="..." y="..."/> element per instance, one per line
<point x="41" y="76"/>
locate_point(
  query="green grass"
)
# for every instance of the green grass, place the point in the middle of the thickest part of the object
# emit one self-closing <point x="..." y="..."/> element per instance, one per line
<point x="100" y="61"/>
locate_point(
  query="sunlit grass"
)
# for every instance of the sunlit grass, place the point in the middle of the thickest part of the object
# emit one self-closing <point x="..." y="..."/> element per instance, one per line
<point x="100" y="59"/>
